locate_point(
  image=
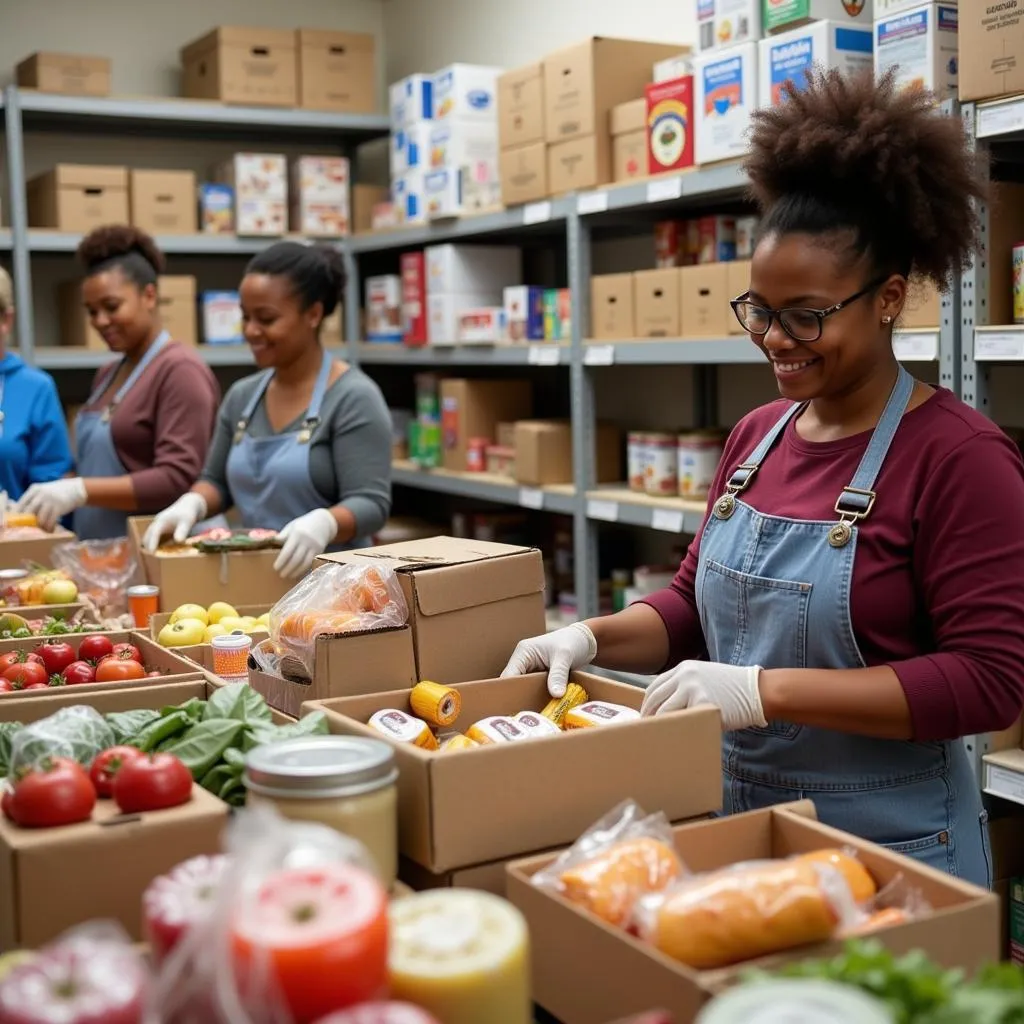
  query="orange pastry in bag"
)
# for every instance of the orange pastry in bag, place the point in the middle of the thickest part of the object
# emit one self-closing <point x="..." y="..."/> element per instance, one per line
<point x="610" y="883"/>
<point x="862" y="885"/>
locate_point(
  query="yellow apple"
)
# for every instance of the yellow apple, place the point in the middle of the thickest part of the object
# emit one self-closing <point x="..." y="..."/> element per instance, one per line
<point x="230" y="622"/>
<point x="60" y="592"/>
<point x="190" y="611"/>
<point x="219" y="610"/>
<point x="183" y="633"/>
<point x="212" y="630"/>
<point x="248" y="623"/>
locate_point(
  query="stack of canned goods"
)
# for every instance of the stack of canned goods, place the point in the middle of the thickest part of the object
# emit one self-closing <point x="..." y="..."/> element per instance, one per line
<point x="666" y="465"/>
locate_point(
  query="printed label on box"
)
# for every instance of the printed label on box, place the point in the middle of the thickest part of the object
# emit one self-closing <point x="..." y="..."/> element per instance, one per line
<point x="723" y="87"/>
<point x="670" y="125"/>
<point x="789" y="63"/>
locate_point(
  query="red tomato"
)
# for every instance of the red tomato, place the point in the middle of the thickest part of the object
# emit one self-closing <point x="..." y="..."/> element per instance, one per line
<point x="57" y="791"/>
<point x="176" y="902"/>
<point x="36" y="657"/>
<point x="127" y="652"/>
<point x="106" y="766"/>
<point x="322" y="932"/>
<point x="5" y="800"/>
<point x="381" y="1013"/>
<point x="152" y="782"/>
<point x="111" y="670"/>
<point x="10" y="658"/>
<point x="94" y="647"/>
<point x="26" y="674"/>
<point x="79" y="672"/>
<point x="56" y="655"/>
<point x="6" y="686"/>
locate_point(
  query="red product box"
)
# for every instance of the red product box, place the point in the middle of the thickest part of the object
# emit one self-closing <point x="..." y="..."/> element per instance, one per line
<point x="414" y="298"/>
<point x="670" y="125"/>
<point x="669" y="243"/>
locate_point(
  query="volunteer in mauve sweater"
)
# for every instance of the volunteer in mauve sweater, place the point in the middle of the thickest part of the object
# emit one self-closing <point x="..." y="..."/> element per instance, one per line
<point x="142" y="436"/>
<point x="854" y="602"/>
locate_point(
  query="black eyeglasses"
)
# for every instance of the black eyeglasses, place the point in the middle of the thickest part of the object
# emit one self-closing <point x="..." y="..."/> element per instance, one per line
<point x="801" y="324"/>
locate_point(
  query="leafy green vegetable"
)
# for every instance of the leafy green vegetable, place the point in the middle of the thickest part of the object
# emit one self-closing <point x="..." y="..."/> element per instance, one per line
<point x="312" y="725"/>
<point x="127" y="724"/>
<point x="77" y="732"/>
<point x="160" y="729"/>
<point x="194" y="707"/>
<point x="7" y="731"/>
<point x="215" y="779"/>
<point x="205" y="743"/>
<point x="237" y="701"/>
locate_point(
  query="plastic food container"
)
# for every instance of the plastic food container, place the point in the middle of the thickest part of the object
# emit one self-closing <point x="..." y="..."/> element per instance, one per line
<point x="698" y="457"/>
<point x="348" y="783"/>
<point x="661" y="473"/>
<point x="476" y="454"/>
<point x="231" y="654"/>
<point x="143" y="602"/>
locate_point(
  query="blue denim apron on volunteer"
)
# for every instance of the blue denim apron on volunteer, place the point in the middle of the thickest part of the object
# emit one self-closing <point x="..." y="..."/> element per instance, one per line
<point x="269" y="477"/>
<point x="775" y="592"/>
<point x="96" y="454"/>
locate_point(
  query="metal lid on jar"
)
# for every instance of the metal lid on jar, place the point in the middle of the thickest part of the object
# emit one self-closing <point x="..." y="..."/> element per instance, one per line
<point x="320" y="767"/>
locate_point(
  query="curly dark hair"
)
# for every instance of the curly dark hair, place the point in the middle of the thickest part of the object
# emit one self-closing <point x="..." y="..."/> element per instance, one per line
<point x="316" y="272"/>
<point x="882" y="170"/>
<point x="117" y="245"/>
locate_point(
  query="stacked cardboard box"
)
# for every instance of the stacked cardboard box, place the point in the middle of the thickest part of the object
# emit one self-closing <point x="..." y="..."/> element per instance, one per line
<point x="524" y="171"/>
<point x="320" y="196"/>
<point x="411" y="111"/>
<point x="919" y="41"/>
<point x="991" y="45"/>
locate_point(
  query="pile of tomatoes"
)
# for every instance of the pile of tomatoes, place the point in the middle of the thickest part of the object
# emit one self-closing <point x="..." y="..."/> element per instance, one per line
<point x="56" y="663"/>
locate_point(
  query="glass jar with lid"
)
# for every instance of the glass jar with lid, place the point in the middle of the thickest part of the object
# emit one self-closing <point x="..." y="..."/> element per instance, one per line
<point x="346" y="782"/>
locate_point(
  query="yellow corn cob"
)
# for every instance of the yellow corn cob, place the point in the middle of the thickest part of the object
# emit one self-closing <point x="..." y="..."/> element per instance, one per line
<point x="558" y="707"/>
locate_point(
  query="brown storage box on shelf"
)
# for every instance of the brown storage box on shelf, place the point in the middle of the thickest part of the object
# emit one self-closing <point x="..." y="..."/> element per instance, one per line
<point x="629" y="140"/>
<point x="241" y="577"/>
<point x="15" y="553"/>
<point x="579" y="163"/>
<point x="1005" y="230"/>
<point x="337" y="71"/>
<point x="923" y="306"/>
<point x="78" y="197"/>
<point x="242" y="65"/>
<point x="626" y="975"/>
<point x="991" y="43"/>
<point x="458" y="588"/>
<point x="524" y="174"/>
<point x="521" y="106"/>
<point x="737" y="280"/>
<point x="364" y="199"/>
<point x="458" y="810"/>
<point x="164" y="202"/>
<point x="473" y="408"/>
<point x="65" y="73"/>
<point x="612" y="315"/>
<point x="544" y="453"/>
<point x="656" y="303"/>
<point x="704" y="295"/>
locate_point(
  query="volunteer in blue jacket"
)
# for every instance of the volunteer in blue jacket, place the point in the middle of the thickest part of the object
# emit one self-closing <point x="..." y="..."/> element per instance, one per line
<point x="304" y="446"/>
<point x="34" y="444"/>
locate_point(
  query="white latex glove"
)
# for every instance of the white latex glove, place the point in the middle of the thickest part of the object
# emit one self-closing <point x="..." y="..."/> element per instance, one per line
<point x="730" y="688"/>
<point x="51" y="501"/>
<point x="305" y="538"/>
<point x="560" y="652"/>
<point x="177" y="520"/>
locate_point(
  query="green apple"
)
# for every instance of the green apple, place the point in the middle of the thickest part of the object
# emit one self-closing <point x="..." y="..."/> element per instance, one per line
<point x="230" y="622"/>
<point x="190" y="611"/>
<point x="60" y="592"/>
<point x="212" y="630"/>
<point x="219" y="610"/>
<point x="183" y="633"/>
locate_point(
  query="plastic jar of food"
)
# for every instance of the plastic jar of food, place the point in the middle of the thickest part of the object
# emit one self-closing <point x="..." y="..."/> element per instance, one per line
<point x="636" y="459"/>
<point x="661" y="470"/>
<point x="699" y="454"/>
<point x="476" y="454"/>
<point x="231" y="654"/>
<point x="346" y="782"/>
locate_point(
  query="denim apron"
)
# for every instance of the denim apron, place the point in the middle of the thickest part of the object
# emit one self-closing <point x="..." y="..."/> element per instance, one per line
<point x="96" y="454"/>
<point x="268" y="477"/>
<point x="775" y="592"/>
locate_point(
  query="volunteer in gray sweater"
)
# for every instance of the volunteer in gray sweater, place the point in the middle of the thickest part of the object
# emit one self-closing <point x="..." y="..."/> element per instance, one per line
<point x="303" y="447"/>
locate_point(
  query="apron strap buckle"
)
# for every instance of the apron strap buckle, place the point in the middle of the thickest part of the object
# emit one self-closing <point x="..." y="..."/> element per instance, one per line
<point x="741" y="478"/>
<point x="308" y="426"/>
<point x="855" y="504"/>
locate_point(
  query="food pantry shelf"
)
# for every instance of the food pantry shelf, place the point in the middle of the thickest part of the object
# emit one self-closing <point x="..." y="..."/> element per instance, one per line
<point x="541" y="354"/>
<point x="618" y="504"/>
<point x="999" y="344"/>
<point x="1001" y="120"/>
<point x="663" y="351"/>
<point x="71" y="358"/>
<point x="192" y="245"/>
<point x="1004" y="775"/>
<point x="6" y="240"/>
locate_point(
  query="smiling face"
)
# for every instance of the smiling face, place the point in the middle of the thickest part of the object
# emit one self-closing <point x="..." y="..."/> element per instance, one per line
<point x="854" y="347"/>
<point x="276" y="327"/>
<point x="123" y="313"/>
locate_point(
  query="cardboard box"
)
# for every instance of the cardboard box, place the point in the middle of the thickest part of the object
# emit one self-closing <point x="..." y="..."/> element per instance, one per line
<point x="163" y="202"/>
<point x="260" y="181"/>
<point x="78" y="197"/>
<point x="704" y="292"/>
<point x="444" y="312"/>
<point x="413" y="267"/>
<point x="782" y="15"/>
<point x="410" y="148"/>
<point x="14" y="553"/>
<point x="524" y="174"/>
<point x="337" y="71"/>
<point x="628" y="117"/>
<point x="458" y="144"/>
<point x="611" y="307"/>
<point x="725" y="23"/>
<point x="628" y="124"/>
<point x="726" y="95"/>
<point x="921" y="44"/>
<point x="674" y="67"/>
<point x="473" y="408"/>
<point x="583" y="82"/>
<point x="319" y="196"/>
<point x="656" y="303"/>
<point x="410" y="100"/>
<point x="466" y="91"/>
<point x="240" y="577"/>
<point x="364" y="199"/>
<point x="737" y="283"/>
<point x="580" y="163"/>
<point x="524" y="314"/>
<point x="383" y="305"/>
<point x="457" y="588"/>
<point x="409" y="197"/>
<point x="715" y="237"/>
<point x="626" y="976"/>
<point x="472" y="269"/>
<point x="222" y="318"/>
<point x="670" y="125"/>
<point x="65" y="73"/>
<point x="521" y="106"/>
<point x="435" y="791"/>
<point x="883" y="8"/>
<point x="255" y="66"/>
<point x="216" y="208"/>
<point x="544" y="453"/>
<point x="923" y="306"/>
<point x="991" y="51"/>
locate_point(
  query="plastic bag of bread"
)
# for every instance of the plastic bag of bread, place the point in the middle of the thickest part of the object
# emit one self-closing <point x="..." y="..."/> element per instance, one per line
<point x="896" y="903"/>
<point x="624" y="856"/>
<point x="747" y="910"/>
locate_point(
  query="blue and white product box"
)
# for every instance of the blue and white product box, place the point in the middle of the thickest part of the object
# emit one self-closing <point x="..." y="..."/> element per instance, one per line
<point x="883" y="8"/>
<point x="384" y="308"/>
<point x="725" y="84"/>
<point x="222" y="318"/>
<point x="409" y="197"/>
<point x="788" y="56"/>
<point x="466" y="91"/>
<point x="216" y="209"/>
<point x="922" y="45"/>
<point x="442" y="189"/>
<point x="524" y="313"/>
<point x="455" y="143"/>
<point x="725" y="23"/>
<point x="410" y="148"/>
<point x="411" y="100"/>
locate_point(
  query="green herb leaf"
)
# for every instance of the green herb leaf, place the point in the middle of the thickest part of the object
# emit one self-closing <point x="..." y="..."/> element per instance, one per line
<point x="163" y="728"/>
<point x="238" y="701"/>
<point x="204" y="744"/>
<point x="127" y="724"/>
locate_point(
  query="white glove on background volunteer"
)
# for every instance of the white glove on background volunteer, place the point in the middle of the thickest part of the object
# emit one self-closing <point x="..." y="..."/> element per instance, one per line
<point x="730" y="688"/>
<point x="51" y="501"/>
<point x="560" y="652"/>
<point x="176" y="520"/>
<point x="305" y="538"/>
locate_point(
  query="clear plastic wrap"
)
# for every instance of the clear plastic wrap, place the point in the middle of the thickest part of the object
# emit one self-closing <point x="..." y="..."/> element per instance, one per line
<point x="333" y="598"/>
<point x="102" y="569"/>
<point x="895" y="903"/>
<point x="624" y="856"/>
<point x="77" y="732"/>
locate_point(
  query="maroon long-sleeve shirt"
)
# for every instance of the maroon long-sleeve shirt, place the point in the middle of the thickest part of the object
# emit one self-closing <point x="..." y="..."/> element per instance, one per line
<point x="162" y="427"/>
<point x="938" y="580"/>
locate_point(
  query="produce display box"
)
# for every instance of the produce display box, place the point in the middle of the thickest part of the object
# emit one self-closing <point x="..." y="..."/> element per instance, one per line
<point x="15" y="553"/>
<point x="626" y="975"/>
<point x="459" y="589"/>
<point x="238" y="577"/>
<point x="202" y="654"/>
<point x="476" y="806"/>
<point x="44" y="611"/>
<point x="54" y="878"/>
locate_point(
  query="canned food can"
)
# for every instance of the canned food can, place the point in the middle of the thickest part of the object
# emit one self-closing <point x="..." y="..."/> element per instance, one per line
<point x="661" y="474"/>
<point x="1018" y="283"/>
<point x="636" y="459"/>
<point x="699" y="453"/>
<point x="476" y="454"/>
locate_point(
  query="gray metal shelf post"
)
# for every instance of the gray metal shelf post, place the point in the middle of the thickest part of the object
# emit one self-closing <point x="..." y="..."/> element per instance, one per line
<point x="18" y="205"/>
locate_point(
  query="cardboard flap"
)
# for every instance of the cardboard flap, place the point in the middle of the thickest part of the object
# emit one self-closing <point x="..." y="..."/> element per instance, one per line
<point x="466" y="586"/>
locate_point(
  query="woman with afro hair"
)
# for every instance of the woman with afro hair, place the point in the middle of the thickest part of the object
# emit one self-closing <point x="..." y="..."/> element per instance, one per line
<point x="854" y="602"/>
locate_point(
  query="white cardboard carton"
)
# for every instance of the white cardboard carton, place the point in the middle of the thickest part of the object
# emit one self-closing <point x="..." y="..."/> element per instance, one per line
<point x="723" y="23"/>
<point x="725" y="83"/>
<point x="480" y="270"/>
<point x="783" y="15"/>
<point x="455" y="142"/>
<point x="411" y="100"/>
<point x="466" y="91"/>
<point x="922" y="44"/>
<point x="408" y="193"/>
<point x="410" y="148"/>
<point x="444" y="312"/>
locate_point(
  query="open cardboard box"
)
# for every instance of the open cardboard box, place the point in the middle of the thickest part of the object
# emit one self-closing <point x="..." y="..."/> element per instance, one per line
<point x="626" y="975"/>
<point x="470" y="602"/>
<point x="202" y="654"/>
<point x="32" y="612"/>
<point x="240" y="577"/>
<point x="475" y="806"/>
<point x="15" y="553"/>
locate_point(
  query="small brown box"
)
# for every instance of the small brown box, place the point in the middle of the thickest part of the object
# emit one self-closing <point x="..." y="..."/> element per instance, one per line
<point x="521" y="106"/>
<point x="254" y="66"/>
<point x="164" y="202"/>
<point x="337" y="71"/>
<point x="544" y="453"/>
<point x="628" y="117"/>
<point x="78" y="197"/>
<point x="704" y="299"/>
<point x="611" y="307"/>
<point x="364" y="199"/>
<point x="656" y="302"/>
<point x="473" y="408"/>
<point x="524" y="174"/>
<point x="580" y="163"/>
<point x="629" y="156"/>
<point x="737" y="284"/>
<point x="65" y="73"/>
<point x="991" y="43"/>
